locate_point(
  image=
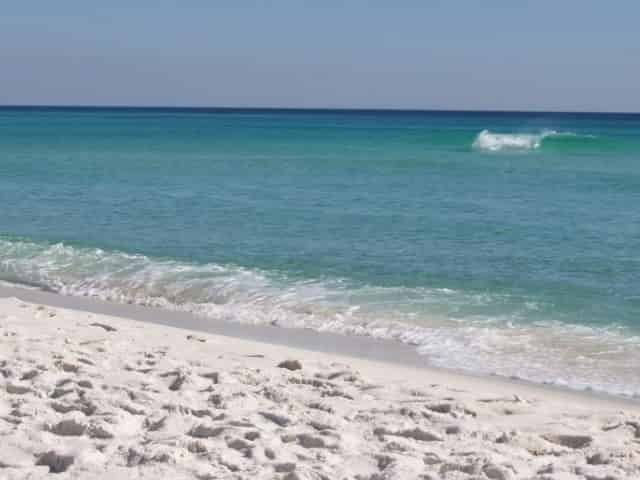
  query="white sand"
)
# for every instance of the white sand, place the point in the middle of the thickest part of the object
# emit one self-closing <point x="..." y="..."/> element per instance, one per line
<point x="94" y="396"/>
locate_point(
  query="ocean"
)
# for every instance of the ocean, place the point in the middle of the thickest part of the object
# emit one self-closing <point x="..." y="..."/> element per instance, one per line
<point x="496" y="243"/>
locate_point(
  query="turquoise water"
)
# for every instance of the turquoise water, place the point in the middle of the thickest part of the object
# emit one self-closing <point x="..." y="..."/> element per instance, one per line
<point x="501" y="243"/>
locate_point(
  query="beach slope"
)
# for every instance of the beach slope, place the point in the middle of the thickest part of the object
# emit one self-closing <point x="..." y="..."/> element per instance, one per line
<point x="85" y="395"/>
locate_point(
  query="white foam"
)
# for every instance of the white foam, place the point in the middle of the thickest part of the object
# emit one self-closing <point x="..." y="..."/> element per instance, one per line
<point x="579" y="356"/>
<point x="495" y="142"/>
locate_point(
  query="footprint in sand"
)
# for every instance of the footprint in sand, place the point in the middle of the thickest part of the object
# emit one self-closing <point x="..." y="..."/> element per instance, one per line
<point x="56" y="462"/>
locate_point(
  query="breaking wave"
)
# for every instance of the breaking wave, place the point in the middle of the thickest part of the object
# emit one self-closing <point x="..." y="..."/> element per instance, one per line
<point x="548" y="352"/>
<point x="495" y="142"/>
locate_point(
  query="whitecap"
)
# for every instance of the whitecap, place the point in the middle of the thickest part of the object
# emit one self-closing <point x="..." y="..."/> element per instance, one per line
<point x="495" y="142"/>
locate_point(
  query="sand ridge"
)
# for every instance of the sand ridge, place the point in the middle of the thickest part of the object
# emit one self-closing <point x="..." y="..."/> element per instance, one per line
<point x="93" y="396"/>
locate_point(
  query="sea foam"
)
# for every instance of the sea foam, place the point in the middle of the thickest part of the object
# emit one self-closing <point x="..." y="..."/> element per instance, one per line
<point x="494" y="142"/>
<point x="551" y="352"/>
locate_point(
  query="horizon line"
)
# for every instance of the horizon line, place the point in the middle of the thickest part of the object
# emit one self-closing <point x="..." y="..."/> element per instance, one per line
<point x="316" y="109"/>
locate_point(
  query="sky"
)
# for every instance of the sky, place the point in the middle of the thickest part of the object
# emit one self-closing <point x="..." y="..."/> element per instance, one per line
<point x="567" y="55"/>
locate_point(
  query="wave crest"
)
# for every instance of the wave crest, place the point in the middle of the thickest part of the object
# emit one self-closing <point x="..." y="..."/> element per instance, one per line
<point x="494" y="142"/>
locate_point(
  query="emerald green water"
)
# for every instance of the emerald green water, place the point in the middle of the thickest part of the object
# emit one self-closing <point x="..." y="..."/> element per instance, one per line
<point x="497" y="242"/>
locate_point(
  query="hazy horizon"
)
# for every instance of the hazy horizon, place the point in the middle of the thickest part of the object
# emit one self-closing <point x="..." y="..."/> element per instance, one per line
<point x="303" y="109"/>
<point x="462" y="55"/>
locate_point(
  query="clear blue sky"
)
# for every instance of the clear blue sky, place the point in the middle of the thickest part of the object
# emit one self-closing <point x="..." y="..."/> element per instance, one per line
<point x="483" y="54"/>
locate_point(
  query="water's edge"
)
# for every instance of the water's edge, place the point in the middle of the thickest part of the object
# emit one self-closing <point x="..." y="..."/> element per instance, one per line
<point x="367" y="348"/>
<point x="496" y="244"/>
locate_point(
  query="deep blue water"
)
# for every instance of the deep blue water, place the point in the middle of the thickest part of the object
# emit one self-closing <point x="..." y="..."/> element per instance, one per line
<point x="497" y="242"/>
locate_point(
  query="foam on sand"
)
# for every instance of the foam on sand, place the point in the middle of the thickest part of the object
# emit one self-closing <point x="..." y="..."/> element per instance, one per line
<point x="581" y="357"/>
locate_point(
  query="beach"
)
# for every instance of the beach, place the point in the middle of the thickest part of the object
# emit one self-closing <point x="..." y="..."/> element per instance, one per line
<point x="238" y="293"/>
<point x="92" y="395"/>
<point x="498" y="243"/>
<point x="319" y="241"/>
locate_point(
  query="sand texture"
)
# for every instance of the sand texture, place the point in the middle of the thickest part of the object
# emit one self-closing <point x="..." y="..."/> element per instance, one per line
<point x="93" y="396"/>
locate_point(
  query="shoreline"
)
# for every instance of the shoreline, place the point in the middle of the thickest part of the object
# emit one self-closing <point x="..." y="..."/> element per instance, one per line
<point x="92" y="396"/>
<point x="356" y="347"/>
